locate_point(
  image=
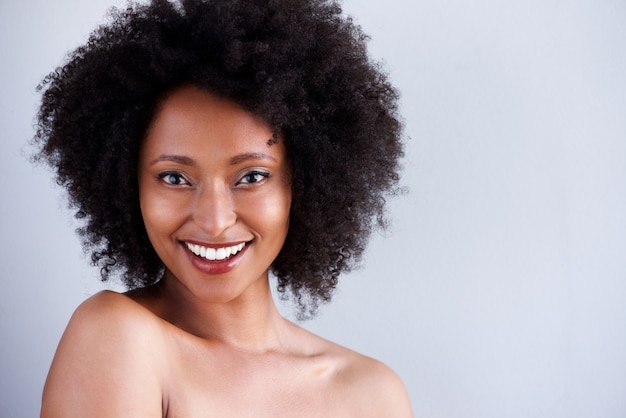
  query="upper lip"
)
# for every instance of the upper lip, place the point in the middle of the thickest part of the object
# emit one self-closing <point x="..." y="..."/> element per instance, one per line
<point x="216" y="245"/>
<point x="215" y="253"/>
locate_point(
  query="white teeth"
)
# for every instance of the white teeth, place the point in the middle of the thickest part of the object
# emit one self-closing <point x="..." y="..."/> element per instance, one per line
<point x="215" y="253"/>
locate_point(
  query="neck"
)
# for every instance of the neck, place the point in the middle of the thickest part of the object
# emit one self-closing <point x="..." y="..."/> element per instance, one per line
<point x="250" y="322"/>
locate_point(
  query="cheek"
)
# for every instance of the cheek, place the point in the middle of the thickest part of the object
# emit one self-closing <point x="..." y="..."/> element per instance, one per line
<point x="280" y="208"/>
<point x="160" y="215"/>
<point x="271" y="212"/>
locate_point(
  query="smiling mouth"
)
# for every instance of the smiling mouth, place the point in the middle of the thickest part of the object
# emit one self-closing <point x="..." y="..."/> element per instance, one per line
<point x="214" y="254"/>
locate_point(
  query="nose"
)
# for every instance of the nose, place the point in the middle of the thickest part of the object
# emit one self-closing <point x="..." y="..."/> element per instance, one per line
<point x="214" y="210"/>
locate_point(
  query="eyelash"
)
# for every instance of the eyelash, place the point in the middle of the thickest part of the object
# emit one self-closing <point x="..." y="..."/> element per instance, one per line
<point x="263" y="174"/>
<point x="167" y="177"/>
<point x="176" y="179"/>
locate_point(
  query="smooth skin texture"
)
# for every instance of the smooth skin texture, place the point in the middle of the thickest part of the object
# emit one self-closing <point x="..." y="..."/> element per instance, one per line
<point x="207" y="340"/>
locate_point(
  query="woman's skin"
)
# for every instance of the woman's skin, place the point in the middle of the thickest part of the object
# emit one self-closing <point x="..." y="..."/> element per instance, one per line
<point x="207" y="340"/>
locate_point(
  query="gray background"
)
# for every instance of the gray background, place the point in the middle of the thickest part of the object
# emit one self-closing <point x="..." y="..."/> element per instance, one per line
<point x="500" y="290"/>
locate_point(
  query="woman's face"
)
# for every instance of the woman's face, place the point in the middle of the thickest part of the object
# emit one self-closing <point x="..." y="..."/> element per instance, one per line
<point x="215" y="194"/>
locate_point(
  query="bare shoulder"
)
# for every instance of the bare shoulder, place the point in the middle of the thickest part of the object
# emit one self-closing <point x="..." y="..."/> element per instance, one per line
<point x="365" y="385"/>
<point x="105" y="362"/>
<point x="377" y="388"/>
<point x="113" y="321"/>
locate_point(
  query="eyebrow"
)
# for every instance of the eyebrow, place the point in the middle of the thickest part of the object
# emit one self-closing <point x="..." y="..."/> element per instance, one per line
<point x="238" y="159"/>
<point x="180" y="159"/>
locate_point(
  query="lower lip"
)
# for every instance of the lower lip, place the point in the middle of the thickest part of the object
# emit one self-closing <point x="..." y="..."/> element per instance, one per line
<point x="215" y="266"/>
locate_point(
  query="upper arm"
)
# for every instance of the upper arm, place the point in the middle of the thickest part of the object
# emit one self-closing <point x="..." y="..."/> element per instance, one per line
<point x="106" y="364"/>
<point x="394" y="395"/>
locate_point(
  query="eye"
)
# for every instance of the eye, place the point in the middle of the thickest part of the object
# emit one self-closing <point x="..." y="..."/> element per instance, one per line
<point x="173" y="178"/>
<point x="253" y="177"/>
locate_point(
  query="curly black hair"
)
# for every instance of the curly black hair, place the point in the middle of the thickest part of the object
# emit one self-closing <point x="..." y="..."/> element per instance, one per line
<point x="298" y="64"/>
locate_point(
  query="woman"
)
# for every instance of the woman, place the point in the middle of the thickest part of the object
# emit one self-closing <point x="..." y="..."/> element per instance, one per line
<point x="205" y="144"/>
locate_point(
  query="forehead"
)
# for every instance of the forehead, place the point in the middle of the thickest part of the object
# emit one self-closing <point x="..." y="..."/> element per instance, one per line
<point x="192" y="120"/>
